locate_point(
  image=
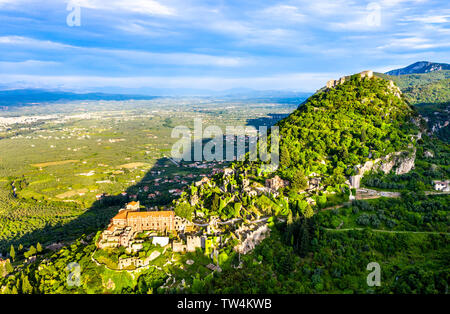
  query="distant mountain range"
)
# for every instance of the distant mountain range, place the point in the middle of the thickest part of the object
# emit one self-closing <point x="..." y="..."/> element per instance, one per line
<point x="18" y="97"/>
<point x="420" y="67"/>
<point x="22" y="97"/>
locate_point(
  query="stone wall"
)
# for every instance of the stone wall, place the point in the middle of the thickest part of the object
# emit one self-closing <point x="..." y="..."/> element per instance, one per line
<point x="334" y="83"/>
<point x="252" y="239"/>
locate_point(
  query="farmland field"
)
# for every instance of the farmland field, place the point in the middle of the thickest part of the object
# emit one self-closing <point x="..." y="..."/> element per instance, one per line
<point x="52" y="170"/>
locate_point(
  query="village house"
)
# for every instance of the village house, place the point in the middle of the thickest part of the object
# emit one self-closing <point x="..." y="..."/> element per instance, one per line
<point x="133" y="206"/>
<point x="100" y="196"/>
<point x="443" y="186"/>
<point x="3" y="262"/>
<point x="314" y="183"/>
<point x="228" y="171"/>
<point x="161" y="241"/>
<point x="202" y="181"/>
<point x="132" y="261"/>
<point x="275" y="183"/>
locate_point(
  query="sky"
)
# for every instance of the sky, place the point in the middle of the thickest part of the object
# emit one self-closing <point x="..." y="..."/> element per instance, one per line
<point x="213" y="45"/>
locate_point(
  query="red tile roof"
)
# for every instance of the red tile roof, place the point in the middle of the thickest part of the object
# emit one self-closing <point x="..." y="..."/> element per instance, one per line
<point x="165" y="213"/>
<point x="125" y="214"/>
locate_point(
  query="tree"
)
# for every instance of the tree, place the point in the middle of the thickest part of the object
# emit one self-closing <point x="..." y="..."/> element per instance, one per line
<point x="12" y="252"/>
<point x="39" y="247"/>
<point x="299" y="181"/>
<point x="304" y="239"/>
<point x="27" y="288"/>
<point x="215" y="203"/>
<point x="31" y="252"/>
<point x="8" y="267"/>
<point x="184" y="210"/>
<point x="285" y="157"/>
<point x="363" y="135"/>
<point x="308" y="212"/>
<point x="289" y="218"/>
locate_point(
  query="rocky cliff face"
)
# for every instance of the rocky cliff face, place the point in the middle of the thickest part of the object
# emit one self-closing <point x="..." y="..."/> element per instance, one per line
<point x="399" y="162"/>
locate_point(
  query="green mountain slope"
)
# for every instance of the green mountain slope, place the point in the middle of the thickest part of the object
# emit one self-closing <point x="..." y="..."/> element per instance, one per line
<point x="430" y="92"/>
<point x="411" y="80"/>
<point x="326" y="137"/>
<point x="336" y="129"/>
<point x="312" y="247"/>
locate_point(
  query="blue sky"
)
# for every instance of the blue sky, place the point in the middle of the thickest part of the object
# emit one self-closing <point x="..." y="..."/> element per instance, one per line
<point x="204" y="44"/>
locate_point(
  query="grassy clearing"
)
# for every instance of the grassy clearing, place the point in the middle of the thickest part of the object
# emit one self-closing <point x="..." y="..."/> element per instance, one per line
<point x="54" y="163"/>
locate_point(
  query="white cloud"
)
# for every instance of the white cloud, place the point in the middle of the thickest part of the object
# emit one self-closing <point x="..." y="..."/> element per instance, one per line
<point x="430" y="19"/>
<point x="27" y="66"/>
<point x="136" y="56"/>
<point x="285" y="13"/>
<point x="148" y="7"/>
<point x="36" y="43"/>
<point x="414" y="42"/>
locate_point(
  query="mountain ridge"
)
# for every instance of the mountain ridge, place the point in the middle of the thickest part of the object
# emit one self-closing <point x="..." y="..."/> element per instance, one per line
<point x="420" y="67"/>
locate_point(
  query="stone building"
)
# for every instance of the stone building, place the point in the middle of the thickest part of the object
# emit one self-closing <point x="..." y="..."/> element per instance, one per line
<point x="3" y="271"/>
<point x="127" y="223"/>
<point x="228" y="171"/>
<point x="314" y="183"/>
<point x="133" y="206"/>
<point x="3" y="262"/>
<point x="192" y="243"/>
<point x="161" y="241"/>
<point x="249" y="237"/>
<point x="204" y="180"/>
<point x="334" y="83"/>
<point x="145" y="221"/>
<point x="275" y="183"/>
<point x="163" y="221"/>
<point x="132" y="261"/>
<point x="443" y="186"/>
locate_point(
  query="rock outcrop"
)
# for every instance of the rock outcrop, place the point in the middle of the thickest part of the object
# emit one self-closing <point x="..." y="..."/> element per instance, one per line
<point x="399" y="162"/>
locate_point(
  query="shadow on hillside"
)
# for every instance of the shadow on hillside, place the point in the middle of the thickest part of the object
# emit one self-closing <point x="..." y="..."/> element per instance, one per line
<point x="267" y="121"/>
<point x="98" y="216"/>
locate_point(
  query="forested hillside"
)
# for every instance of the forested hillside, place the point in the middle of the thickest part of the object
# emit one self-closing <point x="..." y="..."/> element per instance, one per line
<point x="319" y="242"/>
<point x="430" y="93"/>
<point x="339" y="128"/>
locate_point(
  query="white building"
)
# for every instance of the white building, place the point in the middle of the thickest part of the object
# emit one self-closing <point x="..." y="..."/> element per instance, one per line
<point x="442" y="186"/>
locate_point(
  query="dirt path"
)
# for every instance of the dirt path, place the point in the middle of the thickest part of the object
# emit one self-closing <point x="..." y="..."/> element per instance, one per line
<point x="367" y="194"/>
<point x="389" y="231"/>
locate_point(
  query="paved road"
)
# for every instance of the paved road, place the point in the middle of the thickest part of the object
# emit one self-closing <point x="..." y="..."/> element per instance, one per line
<point x="365" y="194"/>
